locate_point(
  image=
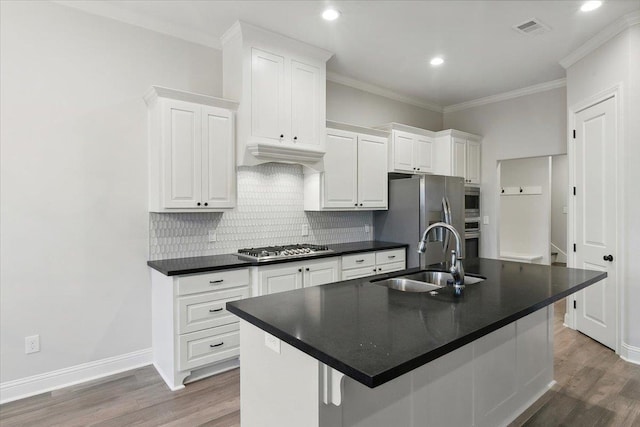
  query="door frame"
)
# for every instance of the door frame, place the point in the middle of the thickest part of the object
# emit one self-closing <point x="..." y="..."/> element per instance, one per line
<point x="614" y="92"/>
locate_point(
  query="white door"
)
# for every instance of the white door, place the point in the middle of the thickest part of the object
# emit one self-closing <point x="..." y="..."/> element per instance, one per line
<point x="403" y="151"/>
<point x="320" y="273"/>
<point x="458" y="157"/>
<point x="305" y="104"/>
<point x="473" y="162"/>
<point x="341" y="170"/>
<point x="595" y="218"/>
<point x="182" y="154"/>
<point x="280" y="279"/>
<point x="268" y="97"/>
<point x="218" y="158"/>
<point x="423" y="154"/>
<point x="372" y="172"/>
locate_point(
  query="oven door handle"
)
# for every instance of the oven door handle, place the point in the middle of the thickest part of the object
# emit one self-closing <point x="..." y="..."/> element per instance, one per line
<point x="473" y="235"/>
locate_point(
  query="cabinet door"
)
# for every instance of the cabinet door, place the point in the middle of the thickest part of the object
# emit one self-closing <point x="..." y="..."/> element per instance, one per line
<point x="458" y="155"/>
<point x="218" y="158"/>
<point x="372" y="173"/>
<point x="473" y="162"/>
<point x="423" y="154"/>
<point x="402" y="152"/>
<point x="320" y="273"/>
<point x="305" y="104"/>
<point x="340" y="177"/>
<point x="280" y="279"/>
<point x="182" y="147"/>
<point x="268" y="97"/>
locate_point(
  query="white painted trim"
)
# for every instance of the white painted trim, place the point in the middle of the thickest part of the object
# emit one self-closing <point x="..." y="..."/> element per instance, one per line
<point x="377" y="90"/>
<point x="113" y="11"/>
<point x="630" y="353"/>
<point x="529" y="90"/>
<point x="609" y="32"/>
<point x="531" y="401"/>
<point x="42" y="383"/>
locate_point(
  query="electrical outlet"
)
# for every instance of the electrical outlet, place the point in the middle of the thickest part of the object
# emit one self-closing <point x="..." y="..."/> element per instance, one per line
<point x="366" y="228"/>
<point x="32" y="344"/>
<point x="212" y="236"/>
<point x="305" y="230"/>
<point x="565" y="210"/>
<point x="272" y="342"/>
<point x="485" y="220"/>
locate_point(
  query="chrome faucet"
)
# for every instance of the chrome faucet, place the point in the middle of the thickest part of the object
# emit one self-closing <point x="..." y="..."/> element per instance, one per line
<point x="456" y="269"/>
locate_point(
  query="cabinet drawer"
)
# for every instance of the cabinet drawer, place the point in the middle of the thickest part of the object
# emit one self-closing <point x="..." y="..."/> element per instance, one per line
<point x="211" y="345"/>
<point x="359" y="260"/>
<point x="386" y="257"/>
<point x="356" y="273"/>
<point x="208" y="310"/>
<point x="388" y="268"/>
<point x="206" y="282"/>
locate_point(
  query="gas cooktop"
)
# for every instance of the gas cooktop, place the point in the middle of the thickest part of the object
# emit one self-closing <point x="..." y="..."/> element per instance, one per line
<point x="270" y="253"/>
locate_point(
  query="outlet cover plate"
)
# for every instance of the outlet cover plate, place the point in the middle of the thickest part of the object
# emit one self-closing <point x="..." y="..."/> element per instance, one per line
<point x="32" y="344"/>
<point x="272" y="342"/>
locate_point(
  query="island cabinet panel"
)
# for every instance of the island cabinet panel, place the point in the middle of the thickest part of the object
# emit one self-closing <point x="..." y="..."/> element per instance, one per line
<point x="487" y="382"/>
<point x="370" y="263"/>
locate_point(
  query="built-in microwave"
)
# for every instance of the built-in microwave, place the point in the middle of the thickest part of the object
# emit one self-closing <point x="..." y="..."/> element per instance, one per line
<point x="472" y="202"/>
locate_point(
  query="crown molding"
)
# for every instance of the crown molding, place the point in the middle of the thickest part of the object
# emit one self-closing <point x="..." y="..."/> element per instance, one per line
<point x="377" y="90"/>
<point x="609" y="32"/>
<point x="529" y="90"/>
<point x="112" y="11"/>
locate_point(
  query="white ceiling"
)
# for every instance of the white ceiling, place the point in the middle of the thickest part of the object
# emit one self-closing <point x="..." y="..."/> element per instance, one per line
<point x="389" y="43"/>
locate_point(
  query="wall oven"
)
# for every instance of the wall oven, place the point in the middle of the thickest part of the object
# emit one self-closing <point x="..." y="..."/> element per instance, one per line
<point x="472" y="237"/>
<point x="472" y="202"/>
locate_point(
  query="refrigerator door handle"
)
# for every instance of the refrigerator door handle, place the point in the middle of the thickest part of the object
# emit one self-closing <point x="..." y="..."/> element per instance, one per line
<point x="446" y="209"/>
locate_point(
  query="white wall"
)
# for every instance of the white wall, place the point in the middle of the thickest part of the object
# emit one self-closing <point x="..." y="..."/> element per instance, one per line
<point x="525" y="220"/>
<point x="559" y="199"/>
<point x="617" y="61"/>
<point x="349" y="105"/>
<point x="74" y="219"/>
<point x="528" y="126"/>
<point x="74" y="223"/>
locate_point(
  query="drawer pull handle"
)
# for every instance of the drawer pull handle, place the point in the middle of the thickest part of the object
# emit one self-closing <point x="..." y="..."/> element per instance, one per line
<point x="216" y="345"/>
<point x="359" y="260"/>
<point x="216" y="310"/>
<point x="215" y="282"/>
<point x="391" y="256"/>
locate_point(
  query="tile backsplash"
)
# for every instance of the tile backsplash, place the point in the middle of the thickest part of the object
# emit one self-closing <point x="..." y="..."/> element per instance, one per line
<point x="270" y="211"/>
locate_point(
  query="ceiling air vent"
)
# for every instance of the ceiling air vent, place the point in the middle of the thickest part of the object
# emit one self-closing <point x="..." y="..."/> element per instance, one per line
<point x="532" y="27"/>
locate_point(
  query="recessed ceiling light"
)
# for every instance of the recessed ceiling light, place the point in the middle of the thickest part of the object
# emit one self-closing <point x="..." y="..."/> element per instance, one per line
<point x="330" y="14"/>
<point x="437" y="61"/>
<point x="588" y="6"/>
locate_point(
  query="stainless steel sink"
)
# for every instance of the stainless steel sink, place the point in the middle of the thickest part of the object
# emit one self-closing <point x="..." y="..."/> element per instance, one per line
<point x="407" y="285"/>
<point x="440" y="278"/>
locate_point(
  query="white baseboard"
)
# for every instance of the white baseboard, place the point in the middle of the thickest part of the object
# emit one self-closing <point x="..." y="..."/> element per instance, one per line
<point x="630" y="353"/>
<point x="42" y="383"/>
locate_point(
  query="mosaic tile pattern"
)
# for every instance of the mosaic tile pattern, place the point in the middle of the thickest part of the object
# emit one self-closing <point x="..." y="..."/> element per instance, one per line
<point x="270" y="211"/>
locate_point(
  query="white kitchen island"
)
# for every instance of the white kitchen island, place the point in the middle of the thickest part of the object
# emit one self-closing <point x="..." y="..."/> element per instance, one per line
<point x="358" y="354"/>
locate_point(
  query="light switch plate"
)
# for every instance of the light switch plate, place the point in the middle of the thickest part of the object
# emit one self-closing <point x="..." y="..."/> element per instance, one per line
<point x="485" y="220"/>
<point x="272" y="342"/>
<point x="212" y="236"/>
<point x="565" y="210"/>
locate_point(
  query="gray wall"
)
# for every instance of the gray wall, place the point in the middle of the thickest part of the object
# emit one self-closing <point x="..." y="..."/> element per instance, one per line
<point x="349" y="105"/>
<point x="74" y="223"/>
<point x="528" y="126"/>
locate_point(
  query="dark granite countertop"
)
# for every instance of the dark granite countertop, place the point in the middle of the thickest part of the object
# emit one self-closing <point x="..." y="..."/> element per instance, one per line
<point x="202" y="264"/>
<point x="374" y="334"/>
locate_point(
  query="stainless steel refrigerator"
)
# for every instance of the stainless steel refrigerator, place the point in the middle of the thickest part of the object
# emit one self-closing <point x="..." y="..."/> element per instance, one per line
<point x="414" y="204"/>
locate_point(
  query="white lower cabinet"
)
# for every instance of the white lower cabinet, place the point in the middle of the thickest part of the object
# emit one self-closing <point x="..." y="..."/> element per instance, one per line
<point x="193" y="334"/>
<point x="295" y="275"/>
<point x="365" y="264"/>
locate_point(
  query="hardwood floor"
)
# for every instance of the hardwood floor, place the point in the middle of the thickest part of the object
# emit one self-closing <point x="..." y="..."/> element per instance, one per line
<point x="595" y="388"/>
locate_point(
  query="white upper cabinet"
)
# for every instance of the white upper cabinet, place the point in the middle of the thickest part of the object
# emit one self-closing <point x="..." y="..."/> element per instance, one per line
<point x="191" y="152"/>
<point x="281" y="86"/>
<point x="355" y="171"/>
<point x="411" y="149"/>
<point x="458" y="154"/>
